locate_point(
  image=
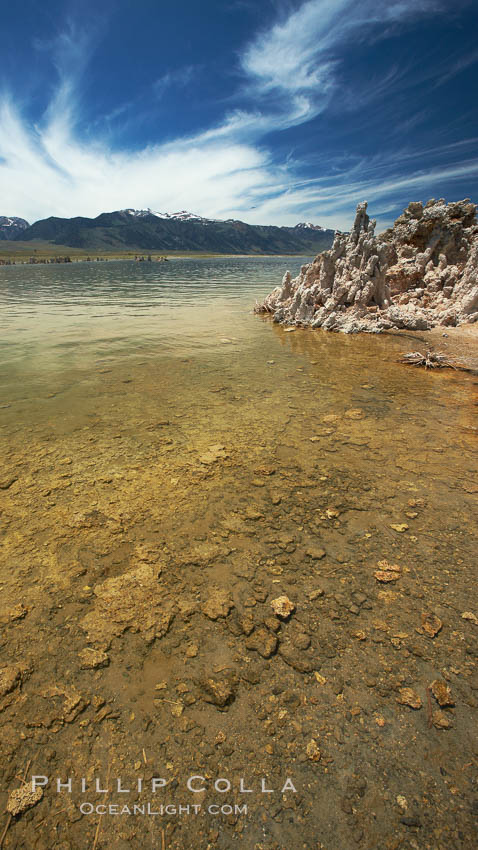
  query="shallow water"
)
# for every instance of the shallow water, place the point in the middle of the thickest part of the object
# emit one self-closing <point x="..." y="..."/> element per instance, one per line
<point x="148" y="417"/>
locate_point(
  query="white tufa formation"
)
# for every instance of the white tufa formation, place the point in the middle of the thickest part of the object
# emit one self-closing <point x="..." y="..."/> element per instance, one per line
<point x="420" y="273"/>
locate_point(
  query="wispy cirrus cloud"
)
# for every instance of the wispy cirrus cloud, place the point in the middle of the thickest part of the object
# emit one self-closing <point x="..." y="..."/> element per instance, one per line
<point x="300" y="56"/>
<point x="376" y="180"/>
<point x="177" y="78"/>
<point x="288" y="74"/>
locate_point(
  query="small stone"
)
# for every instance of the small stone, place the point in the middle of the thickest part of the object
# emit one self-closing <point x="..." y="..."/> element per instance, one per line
<point x="316" y="594"/>
<point x="263" y="642"/>
<point x="442" y="693"/>
<point x="387" y="572"/>
<point x="315" y="553"/>
<point x="219" y="692"/>
<point x="18" y="612"/>
<point x="7" y="482"/>
<point x="386" y="576"/>
<point x="312" y="750"/>
<point x="301" y="640"/>
<point x="92" y="658"/>
<point x="272" y="624"/>
<point x="217" y="605"/>
<point x="468" y="615"/>
<point x="252" y="514"/>
<point x="380" y="720"/>
<point x="10" y="678"/>
<point x="411" y="821"/>
<point x="192" y="650"/>
<point x="332" y="513"/>
<point x="399" y="526"/>
<point x="431" y="624"/>
<point x="246" y="622"/>
<point x="266" y="470"/>
<point x="22" y="799"/>
<point x="441" y="720"/>
<point x="354" y="413"/>
<point x="407" y="696"/>
<point x="402" y="802"/>
<point x="294" y="658"/>
<point x="213" y="454"/>
<point x="282" y="607"/>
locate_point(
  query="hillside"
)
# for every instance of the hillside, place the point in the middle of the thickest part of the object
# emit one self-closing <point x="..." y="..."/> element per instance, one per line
<point x="147" y="231"/>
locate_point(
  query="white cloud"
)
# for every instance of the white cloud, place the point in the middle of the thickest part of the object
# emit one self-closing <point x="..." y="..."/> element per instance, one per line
<point x="289" y="76"/>
<point x="300" y="55"/>
<point x="50" y="173"/>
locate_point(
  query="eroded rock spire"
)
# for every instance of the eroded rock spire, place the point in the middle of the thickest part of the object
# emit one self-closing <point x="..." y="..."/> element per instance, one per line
<point x="420" y="273"/>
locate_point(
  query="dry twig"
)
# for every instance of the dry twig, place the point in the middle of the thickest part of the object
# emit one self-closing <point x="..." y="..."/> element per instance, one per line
<point x="99" y="821"/>
<point x="430" y="360"/>
<point x="429" y="708"/>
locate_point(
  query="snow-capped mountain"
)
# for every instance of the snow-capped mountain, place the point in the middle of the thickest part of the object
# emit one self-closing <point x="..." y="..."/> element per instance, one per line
<point x="183" y="215"/>
<point x="11" y="226"/>
<point x="147" y="230"/>
<point x="307" y="225"/>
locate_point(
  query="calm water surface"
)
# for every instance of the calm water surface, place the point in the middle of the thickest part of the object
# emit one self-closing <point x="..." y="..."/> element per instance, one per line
<point x="71" y="336"/>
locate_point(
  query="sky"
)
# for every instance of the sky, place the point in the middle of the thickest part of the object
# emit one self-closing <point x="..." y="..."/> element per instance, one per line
<point x="268" y="111"/>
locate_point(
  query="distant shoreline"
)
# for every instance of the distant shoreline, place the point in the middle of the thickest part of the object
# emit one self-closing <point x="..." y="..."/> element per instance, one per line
<point x="47" y="256"/>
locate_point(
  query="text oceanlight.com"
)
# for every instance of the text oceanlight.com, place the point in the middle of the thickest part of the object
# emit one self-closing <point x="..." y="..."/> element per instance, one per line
<point x="162" y="810"/>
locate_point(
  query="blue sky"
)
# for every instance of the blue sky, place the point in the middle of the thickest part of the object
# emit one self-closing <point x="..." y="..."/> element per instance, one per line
<point x="271" y="111"/>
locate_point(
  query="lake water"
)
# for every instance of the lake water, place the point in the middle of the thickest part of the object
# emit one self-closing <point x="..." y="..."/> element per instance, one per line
<point x="148" y="417"/>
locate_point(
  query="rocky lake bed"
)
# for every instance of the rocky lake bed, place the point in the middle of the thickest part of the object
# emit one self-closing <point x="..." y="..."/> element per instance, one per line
<point x="247" y="572"/>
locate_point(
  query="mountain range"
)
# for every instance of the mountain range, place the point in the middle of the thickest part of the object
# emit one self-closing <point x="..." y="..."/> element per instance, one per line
<point x="145" y="230"/>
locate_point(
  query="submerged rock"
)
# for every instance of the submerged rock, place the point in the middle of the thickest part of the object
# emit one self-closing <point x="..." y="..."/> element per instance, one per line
<point x="218" y="604"/>
<point x="22" y="799"/>
<point x="420" y="273"/>
<point x="217" y="691"/>
<point x="407" y="696"/>
<point x="263" y="642"/>
<point x="134" y="601"/>
<point x="442" y="693"/>
<point x="282" y="607"/>
<point x="10" y="678"/>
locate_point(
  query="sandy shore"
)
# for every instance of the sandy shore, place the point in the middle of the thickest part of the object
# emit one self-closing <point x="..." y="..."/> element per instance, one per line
<point x="461" y="343"/>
